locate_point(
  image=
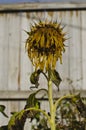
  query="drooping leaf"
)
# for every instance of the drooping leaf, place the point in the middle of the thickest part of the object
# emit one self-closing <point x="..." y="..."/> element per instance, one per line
<point x="55" y="77"/>
<point x="17" y="121"/>
<point x="34" y="78"/>
<point x="32" y="102"/>
<point x="2" y="108"/>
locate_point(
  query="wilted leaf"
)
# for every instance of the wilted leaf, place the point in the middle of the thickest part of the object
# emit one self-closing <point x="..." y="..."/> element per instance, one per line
<point x="32" y="102"/>
<point x="55" y="77"/>
<point x="17" y="121"/>
<point x="80" y="105"/>
<point x="34" y="78"/>
<point x="2" y="108"/>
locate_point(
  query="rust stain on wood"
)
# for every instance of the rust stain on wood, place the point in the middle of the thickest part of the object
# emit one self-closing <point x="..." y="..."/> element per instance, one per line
<point x="28" y="15"/>
<point x="18" y="79"/>
<point x="50" y="13"/>
<point x="77" y="13"/>
<point x="74" y="12"/>
<point x="71" y="13"/>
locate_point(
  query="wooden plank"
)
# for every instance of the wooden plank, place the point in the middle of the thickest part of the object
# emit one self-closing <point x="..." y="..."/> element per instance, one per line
<point x="14" y="94"/>
<point x="10" y="45"/>
<point x="25" y="63"/>
<point x="75" y="61"/>
<point x="40" y="5"/>
<point x="3" y="119"/>
<point x="1" y="50"/>
<point x="63" y="69"/>
<point x="83" y="35"/>
<point x="4" y="52"/>
<point x="14" y="36"/>
<point x="23" y="95"/>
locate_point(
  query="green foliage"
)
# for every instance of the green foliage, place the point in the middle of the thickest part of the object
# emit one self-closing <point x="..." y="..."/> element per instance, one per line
<point x="80" y="105"/>
<point x="67" y="117"/>
<point x="70" y="112"/>
<point x="4" y="127"/>
<point x="41" y="124"/>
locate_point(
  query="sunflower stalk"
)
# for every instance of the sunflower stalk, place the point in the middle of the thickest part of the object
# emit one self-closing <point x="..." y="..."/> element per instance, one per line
<point x="45" y="46"/>
<point x="52" y="108"/>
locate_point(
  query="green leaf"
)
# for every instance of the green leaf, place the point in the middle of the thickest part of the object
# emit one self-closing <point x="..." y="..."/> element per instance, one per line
<point x="2" y="108"/>
<point x="54" y="77"/>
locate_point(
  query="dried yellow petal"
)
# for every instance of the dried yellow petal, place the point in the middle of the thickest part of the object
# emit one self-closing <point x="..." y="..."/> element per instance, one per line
<point x="45" y="44"/>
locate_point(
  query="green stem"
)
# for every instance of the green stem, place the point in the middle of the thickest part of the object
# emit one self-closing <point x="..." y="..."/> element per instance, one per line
<point x="52" y="110"/>
<point x="62" y="98"/>
<point x="39" y="110"/>
<point x="41" y="90"/>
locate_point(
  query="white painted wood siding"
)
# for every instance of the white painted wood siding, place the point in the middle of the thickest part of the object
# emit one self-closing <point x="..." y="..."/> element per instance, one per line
<point x="15" y="67"/>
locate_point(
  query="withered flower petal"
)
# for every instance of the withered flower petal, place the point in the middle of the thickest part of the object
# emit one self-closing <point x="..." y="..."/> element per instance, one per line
<point x="45" y="44"/>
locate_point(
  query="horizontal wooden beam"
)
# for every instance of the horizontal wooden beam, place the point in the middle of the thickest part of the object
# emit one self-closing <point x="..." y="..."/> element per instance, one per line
<point x="14" y="95"/>
<point x="42" y="10"/>
<point x="23" y="95"/>
<point x="41" y="7"/>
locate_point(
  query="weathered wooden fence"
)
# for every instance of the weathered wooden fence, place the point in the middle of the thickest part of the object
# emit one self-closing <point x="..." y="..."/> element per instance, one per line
<point x="15" y="67"/>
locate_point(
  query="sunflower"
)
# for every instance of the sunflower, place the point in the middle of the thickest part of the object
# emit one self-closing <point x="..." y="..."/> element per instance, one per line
<point x="45" y="44"/>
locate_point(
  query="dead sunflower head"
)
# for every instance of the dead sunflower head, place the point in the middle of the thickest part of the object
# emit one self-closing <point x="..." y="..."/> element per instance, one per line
<point x="45" y="44"/>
